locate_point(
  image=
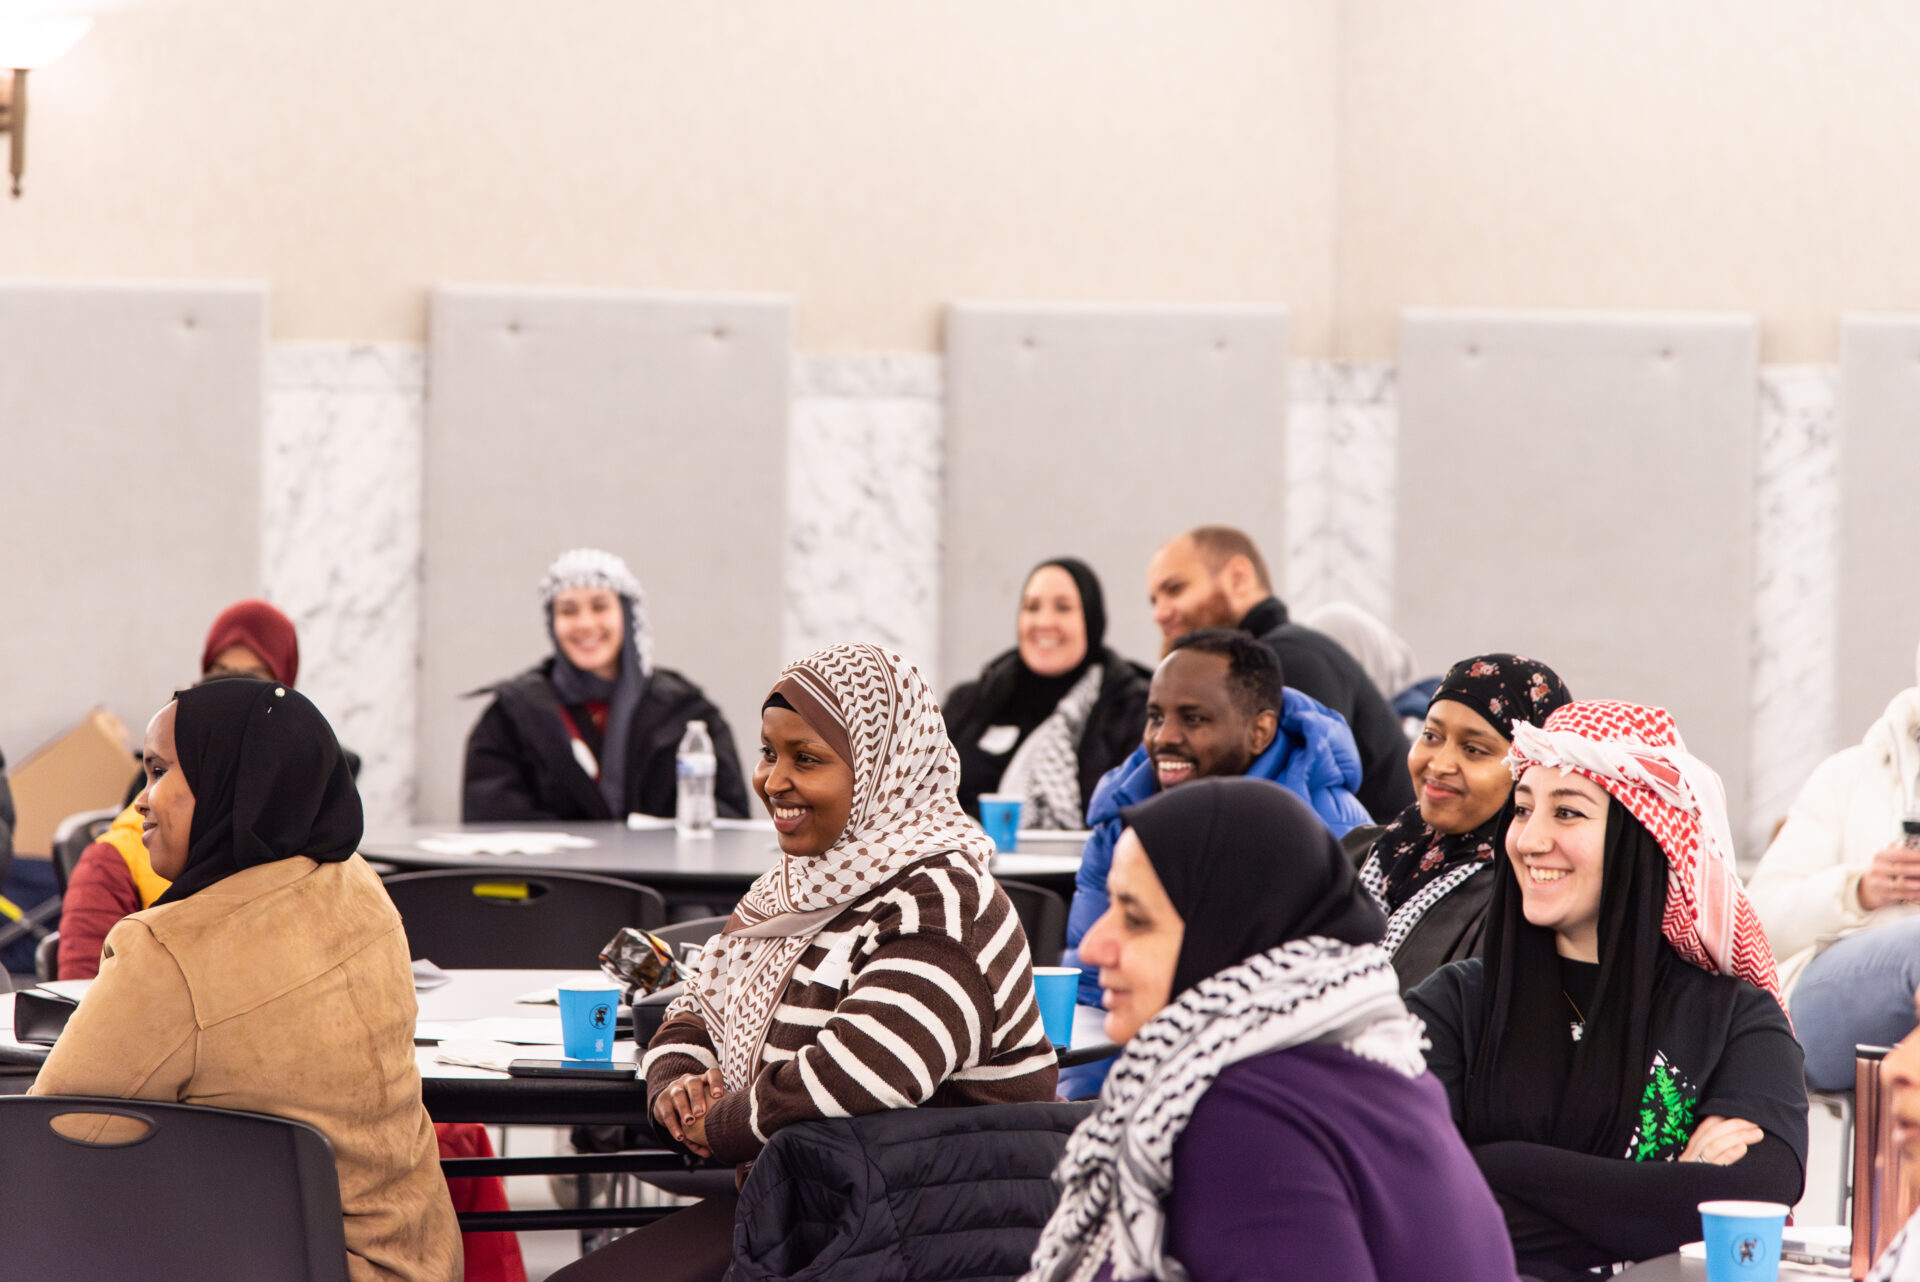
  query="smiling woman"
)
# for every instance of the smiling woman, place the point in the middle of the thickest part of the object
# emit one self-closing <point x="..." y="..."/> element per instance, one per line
<point x="1272" y="1103"/>
<point x="1046" y="719"/>
<point x="1619" y="1055"/>
<point x="592" y="732"/>
<point x="878" y="966"/>
<point x="273" y="975"/>
<point x="1431" y="869"/>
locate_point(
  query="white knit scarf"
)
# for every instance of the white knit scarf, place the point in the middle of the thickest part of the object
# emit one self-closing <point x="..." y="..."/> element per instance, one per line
<point x="1045" y="772"/>
<point x="1118" y="1166"/>
<point x="905" y="809"/>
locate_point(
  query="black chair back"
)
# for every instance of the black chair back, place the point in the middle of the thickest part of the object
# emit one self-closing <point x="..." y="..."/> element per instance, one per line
<point x="204" y="1193"/>
<point x="71" y="839"/>
<point x="513" y="920"/>
<point x="1043" y="915"/>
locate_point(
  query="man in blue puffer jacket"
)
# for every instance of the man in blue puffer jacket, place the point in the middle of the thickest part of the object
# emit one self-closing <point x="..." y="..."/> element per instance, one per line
<point x="1216" y="707"/>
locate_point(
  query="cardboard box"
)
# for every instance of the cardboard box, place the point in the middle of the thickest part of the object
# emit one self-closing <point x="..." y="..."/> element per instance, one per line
<point x="87" y="768"/>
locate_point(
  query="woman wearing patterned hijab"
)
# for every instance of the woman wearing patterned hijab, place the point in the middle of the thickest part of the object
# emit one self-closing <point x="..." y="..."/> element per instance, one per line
<point x="593" y="731"/>
<point x="1431" y="869"/>
<point x="1619" y="1055"/>
<point x="878" y="965"/>
<point x="1046" y="719"/>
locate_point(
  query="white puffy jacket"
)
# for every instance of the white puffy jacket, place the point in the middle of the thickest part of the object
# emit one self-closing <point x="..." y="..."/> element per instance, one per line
<point x="1807" y="887"/>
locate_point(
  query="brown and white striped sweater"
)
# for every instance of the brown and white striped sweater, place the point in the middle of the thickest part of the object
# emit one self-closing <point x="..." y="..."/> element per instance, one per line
<point x="920" y="993"/>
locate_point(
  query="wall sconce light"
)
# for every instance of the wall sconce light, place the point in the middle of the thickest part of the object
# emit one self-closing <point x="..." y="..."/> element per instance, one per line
<point x="28" y="44"/>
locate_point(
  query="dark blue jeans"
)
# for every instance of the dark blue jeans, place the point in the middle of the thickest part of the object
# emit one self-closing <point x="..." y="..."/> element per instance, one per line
<point x="1859" y="991"/>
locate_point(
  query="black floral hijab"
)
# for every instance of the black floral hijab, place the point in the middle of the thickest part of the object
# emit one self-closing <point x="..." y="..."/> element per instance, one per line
<point x="1409" y="855"/>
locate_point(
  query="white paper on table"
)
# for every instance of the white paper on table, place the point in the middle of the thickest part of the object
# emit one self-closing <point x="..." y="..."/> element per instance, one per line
<point x="521" y="1031"/>
<point x="485" y="1054"/>
<point x="637" y="822"/>
<point x="502" y="843"/>
<point x="71" y="989"/>
<point x="497" y="1055"/>
<point x="1066" y="836"/>
<point x="426" y="975"/>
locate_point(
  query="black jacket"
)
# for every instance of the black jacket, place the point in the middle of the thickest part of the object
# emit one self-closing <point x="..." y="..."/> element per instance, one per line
<point x="1314" y="664"/>
<point x="930" y="1194"/>
<point x="1112" y="731"/>
<point x="1452" y="930"/>
<point x="520" y="762"/>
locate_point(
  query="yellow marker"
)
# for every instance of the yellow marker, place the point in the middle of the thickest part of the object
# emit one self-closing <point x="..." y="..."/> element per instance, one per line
<point x="502" y="890"/>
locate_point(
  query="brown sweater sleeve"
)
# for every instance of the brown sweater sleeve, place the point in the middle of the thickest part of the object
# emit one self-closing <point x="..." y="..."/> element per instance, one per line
<point x="919" y="1009"/>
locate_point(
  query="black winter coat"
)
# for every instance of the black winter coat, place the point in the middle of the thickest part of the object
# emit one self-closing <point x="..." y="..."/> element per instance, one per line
<point x="520" y="762"/>
<point x="1112" y="731"/>
<point x="1314" y="664"/>
<point x="932" y="1194"/>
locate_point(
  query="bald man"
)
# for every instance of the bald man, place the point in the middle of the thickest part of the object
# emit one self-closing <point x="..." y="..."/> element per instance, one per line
<point x="1214" y="577"/>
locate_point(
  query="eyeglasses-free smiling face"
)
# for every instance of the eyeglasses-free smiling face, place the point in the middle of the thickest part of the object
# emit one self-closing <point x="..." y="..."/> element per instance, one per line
<point x="804" y="784"/>
<point x="1458" y="768"/>
<point x="1195" y="729"/>
<point x="1053" y="629"/>
<point x="590" y="624"/>
<point x="1557" y="844"/>
<point x="165" y="805"/>
<point x="1135" y="943"/>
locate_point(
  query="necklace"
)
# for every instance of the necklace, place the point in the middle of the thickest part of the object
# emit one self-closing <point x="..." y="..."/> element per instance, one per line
<point x="1579" y="1027"/>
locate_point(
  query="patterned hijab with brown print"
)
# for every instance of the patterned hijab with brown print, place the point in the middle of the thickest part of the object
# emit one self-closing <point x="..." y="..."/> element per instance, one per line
<point x="873" y="707"/>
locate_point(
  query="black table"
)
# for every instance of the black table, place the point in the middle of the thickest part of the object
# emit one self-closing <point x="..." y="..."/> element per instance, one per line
<point x="710" y="871"/>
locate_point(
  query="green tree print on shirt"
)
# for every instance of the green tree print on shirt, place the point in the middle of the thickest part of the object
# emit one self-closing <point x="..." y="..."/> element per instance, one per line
<point x="1667" y="1109"/>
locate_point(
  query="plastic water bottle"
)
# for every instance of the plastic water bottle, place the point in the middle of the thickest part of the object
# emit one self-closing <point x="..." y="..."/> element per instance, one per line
<point x="695" y="767"/>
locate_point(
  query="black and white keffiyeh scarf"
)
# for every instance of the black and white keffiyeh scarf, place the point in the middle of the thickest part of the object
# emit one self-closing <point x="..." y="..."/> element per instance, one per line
<point x="1900" y="1262"/>
<point x="1118" y="1166"/>
<point x="1045" y="771"/>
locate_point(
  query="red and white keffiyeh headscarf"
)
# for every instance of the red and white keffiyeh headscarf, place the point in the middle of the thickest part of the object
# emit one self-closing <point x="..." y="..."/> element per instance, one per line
<point x="1635" y="752"/>
<point x="874" y="708"/>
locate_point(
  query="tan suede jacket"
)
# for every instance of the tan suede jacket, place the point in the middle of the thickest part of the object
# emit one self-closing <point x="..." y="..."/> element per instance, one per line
<point x="286" y="989"/>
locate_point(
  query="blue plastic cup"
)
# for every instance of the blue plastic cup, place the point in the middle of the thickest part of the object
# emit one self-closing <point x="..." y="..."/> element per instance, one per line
<point x="587" y="1009"/>
<point x="1742" y="1240"/>
<point x="1054" y="987"/>
<point x="1000" y="816"/>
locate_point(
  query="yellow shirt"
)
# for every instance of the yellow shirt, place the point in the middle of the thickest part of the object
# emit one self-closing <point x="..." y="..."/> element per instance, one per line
<point x="124" y="837"/>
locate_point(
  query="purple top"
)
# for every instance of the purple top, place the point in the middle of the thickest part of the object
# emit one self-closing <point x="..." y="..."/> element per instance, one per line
<point x="1312" y="1162"/>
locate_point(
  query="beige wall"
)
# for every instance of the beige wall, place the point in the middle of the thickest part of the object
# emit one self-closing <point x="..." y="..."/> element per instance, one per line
<point x="873" y="158"/>
<point x="1747" y="155"/>
<point x="876" y="158"/>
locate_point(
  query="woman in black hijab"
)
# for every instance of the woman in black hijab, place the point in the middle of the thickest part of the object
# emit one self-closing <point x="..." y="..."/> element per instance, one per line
<point x="273" y="975"/>
<point x="1272" y="1102"/>
<point x="1431" y="869"/>
<point x="1046" y="719"/>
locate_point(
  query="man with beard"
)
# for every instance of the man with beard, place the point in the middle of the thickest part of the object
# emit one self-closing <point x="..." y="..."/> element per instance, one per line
<point x="1216" y="707"/>
<point x="1214" y="577"/>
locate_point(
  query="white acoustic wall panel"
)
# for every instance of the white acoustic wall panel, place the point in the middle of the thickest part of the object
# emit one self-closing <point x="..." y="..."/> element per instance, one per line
<point x="1578" y="488"/>
<point x="652" y="426"/>
<point x="130" y="452"/>
<point x="1879" y="596"/>
<point x="1101" y="432"/>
